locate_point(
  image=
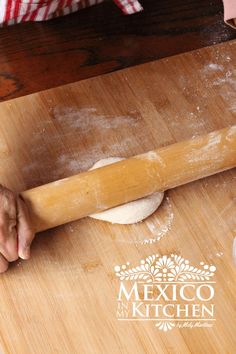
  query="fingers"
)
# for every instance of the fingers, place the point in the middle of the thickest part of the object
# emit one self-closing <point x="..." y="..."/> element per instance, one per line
<point x="3" y="264"/>
<point x="8" y="241"/>
<point x="24" y="230"/>
<point x="16" y="233"/>
<point x="8" y="236"/>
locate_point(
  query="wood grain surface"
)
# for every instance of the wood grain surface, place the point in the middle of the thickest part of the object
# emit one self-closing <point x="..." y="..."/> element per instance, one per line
<point x="100" y="39"/>
<point x="75" y="197"/>
<point x="64" y="299"/>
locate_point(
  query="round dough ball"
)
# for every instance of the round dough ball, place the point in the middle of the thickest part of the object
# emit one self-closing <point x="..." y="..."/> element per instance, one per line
<point x="131" y="212"/>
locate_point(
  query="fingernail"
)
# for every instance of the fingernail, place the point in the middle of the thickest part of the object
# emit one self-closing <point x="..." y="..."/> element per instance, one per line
<point x="25" y="253"/>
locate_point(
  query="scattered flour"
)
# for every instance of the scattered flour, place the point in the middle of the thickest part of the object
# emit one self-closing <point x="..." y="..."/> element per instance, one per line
<point x="159" y="231"/>
<point x="88" y="119"/>
<point x="232" y="107"/>
<point x="215" y="67"/>
<point x="219" y="254"/>
<point x="151" y="230"/>
<point x="93" y="143"/>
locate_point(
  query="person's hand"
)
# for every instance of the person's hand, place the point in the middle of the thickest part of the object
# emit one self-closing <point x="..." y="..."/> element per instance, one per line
<point x="16" y="233"/>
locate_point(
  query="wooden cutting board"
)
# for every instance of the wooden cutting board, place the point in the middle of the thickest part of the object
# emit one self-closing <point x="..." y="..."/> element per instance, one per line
<point x="64" y="299"/>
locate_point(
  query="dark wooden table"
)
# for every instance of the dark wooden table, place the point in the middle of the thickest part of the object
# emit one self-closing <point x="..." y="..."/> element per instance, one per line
<point x="100" y="39"/>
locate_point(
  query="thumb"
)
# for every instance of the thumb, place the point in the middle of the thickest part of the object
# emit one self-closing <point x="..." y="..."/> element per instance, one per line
<point x="24" y="230"/>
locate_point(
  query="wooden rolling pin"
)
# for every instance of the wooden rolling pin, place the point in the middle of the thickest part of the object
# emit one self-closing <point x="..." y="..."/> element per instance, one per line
<point x="89" y="192"/>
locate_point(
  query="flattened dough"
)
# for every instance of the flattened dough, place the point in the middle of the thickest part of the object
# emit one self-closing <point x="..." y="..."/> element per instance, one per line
<point x="131" y="212"/>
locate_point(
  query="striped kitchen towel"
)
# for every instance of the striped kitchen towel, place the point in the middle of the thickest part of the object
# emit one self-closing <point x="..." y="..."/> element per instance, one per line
<point x="16" y="11"/>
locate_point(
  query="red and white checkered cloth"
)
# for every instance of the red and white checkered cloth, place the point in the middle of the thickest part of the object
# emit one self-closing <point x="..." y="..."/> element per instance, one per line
<point x="15" y="11"/>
